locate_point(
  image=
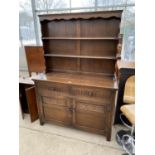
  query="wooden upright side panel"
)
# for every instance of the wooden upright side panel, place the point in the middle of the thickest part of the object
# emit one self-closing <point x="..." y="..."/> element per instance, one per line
<point x="32" y="103"/>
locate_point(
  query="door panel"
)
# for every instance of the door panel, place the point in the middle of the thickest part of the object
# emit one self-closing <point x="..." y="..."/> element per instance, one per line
<point x="90" y="115"/>
<point x="58" y="110"/>
<point x="32" y="103"/>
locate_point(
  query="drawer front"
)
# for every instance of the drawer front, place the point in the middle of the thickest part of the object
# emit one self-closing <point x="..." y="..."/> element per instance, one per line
<point x="51" y="89"/>
<point x="86" y="93"/>
<point x="53" y="101"/>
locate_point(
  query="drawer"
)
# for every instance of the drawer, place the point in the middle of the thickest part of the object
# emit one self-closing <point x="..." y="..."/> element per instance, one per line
<point x="52" y="89"/>
<point x="52" y="101"/>
<point x="91" y="93"/>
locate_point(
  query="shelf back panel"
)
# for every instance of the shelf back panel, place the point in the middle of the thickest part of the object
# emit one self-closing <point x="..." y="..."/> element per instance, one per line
<point x="98" y="47"/>
<point x="86" y="65"/>
<point x="100" y="27"/>
<point x="81" y="28"/>
<point x="60" y="47"/>
<point x="87" y="47"/>
<point x="61" y="64"/>
<point x="97" y="66"/>
<point x="59" y="28"/>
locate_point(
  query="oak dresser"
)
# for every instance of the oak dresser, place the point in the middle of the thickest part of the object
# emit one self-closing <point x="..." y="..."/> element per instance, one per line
<point x="79" y="88"/>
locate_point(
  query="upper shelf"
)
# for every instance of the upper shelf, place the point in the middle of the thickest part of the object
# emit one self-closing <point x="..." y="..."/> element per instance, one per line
<point x="81" y="56"/>
<point x="81" y="38"/>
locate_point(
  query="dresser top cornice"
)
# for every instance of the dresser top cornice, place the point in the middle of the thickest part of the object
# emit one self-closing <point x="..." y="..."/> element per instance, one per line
<point x="82" y="15"/>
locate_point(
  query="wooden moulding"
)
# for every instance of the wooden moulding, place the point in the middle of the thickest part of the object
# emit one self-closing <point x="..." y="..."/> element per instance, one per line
<point x="84" y="15"/>
<point x="80" y="38"/>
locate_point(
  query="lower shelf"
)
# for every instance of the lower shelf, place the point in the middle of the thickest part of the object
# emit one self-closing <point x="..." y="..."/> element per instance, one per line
<point x="99" y="81"/>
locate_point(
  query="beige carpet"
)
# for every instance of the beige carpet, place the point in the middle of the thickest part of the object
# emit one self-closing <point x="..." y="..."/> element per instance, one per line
<point x="56" y="140"/>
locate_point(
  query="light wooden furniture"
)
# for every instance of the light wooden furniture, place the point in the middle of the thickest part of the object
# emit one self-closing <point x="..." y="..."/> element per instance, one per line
<point x="129" y="98"/>
<point x="124" y="70"/>
<point x="129" y="112"/>
<point x="125" y="138"/>
<point x="129" y="91"/>
<point x="79" y="88"/>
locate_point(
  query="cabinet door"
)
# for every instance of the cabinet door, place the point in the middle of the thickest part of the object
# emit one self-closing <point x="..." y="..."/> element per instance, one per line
<point x="57" y="110"/>
<point x="90" y="116"/>
<point x="32" y="103"/>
